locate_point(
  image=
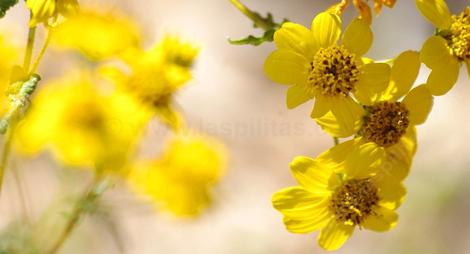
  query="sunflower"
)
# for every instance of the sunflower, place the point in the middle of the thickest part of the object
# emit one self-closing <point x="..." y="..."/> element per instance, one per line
<point x="388" y="122"/>
<point x="315" y="66"/>
<point x="335" y="198"/>
<point x="444" y="52"/>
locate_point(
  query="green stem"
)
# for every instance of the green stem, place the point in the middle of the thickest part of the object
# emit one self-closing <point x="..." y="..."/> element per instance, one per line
<point x="5" y="155"/>
<point x="251" y="15"/>
<point x="88" y="199"/>
<point x="29" y="48"/>
<point x="43" y="50"/>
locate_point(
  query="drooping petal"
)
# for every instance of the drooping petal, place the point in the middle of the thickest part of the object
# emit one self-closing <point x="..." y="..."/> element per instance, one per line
<point x="297" y="38"/>
<point x="308" y="225"/>
<point x="391" y="192"/>
<point x="364" y="159"/>
<point x="286" y="67"/>
<point x="382" y="220"/>
<point x="296" y="95"/>
<point x="399" y="157"/>
<point x="334" y="235"/>
<point x="312" y="175"/>
<point x="338" y="153"/>
<point x="441" y="80"/>
<point x="357" y="37"/>
<point x="404" y="72"/>
<point x="373" y="79"/>
<point x="435" y="11"/>
<point x="330" y="125"/>
<point x="321" y="107"/>
<point x="326" y="29"/>
<point x="347" y="112"/>
<point x="435" y="54"/>
<point x="419" y="102"/>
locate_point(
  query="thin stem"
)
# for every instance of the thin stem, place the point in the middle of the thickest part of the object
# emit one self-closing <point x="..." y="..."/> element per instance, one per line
<point x="29" y="48"/>
<point x="251" y="15"/>
<point x="21" y="192"/>
<point x="43" y="50"/>
<point x="336" y="141"/>
<point x="6" y="154"/>
<point x="90" y="197"/>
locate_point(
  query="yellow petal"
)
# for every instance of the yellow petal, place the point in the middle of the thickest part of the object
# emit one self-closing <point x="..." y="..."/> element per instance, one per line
<point x="419" y="102"/>
<point x="435" y="11"/>
<point x="391" y="192"/>
<point x="364" y="159"/>
<point x="381" y="220"/>
<point x="347" y="112"/>
<point x="330" y="125"/>
<point x="321" y="107"/>
<point x="296" y="202"/>
<point x="308" y="225"/>
<point x="334" y="235"/>
<point x="373" y="80"/>
<point x="399" y="157"/>
<point x="310" y="174"/>
<point x="326" y="29"/>
<point x="364" y="10"/>
<point x="338" y="153"/>
<point x="357" y="37"/>
<point x="441" y="80"/>
<point x="297" y="38"/>
<point x="435" y="54"/>
<point x="286" y="67"/>
<point x="405" y="70"/>
<point x="296" y="95"/>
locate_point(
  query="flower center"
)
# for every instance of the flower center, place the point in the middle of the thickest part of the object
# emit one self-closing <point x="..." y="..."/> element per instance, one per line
<point x="386" y="123"/>
<point x="333" y="72"/>
<point x="459" y="38"/>
<point x="353" y="201"/>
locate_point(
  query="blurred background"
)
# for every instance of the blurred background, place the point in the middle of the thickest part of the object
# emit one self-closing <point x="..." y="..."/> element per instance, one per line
<point x="231" y="98"/>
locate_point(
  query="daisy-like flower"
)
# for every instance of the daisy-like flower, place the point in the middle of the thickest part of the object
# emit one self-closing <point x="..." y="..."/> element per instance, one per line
<point x="315" y="66"/>
<point x="444" y="52"/>
<point x="181" y="180"/>
<point x="335" y="198"/>
<point x="43" y="10"/>
<point x="388" y="123"/>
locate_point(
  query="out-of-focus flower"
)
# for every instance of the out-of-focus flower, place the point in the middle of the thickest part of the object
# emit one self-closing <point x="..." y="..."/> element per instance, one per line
<point x="444" y="52"/>
<point x="43" y="10"/>
<point x="337" y="197"/>
<point x="97" y="35"/>
<point x="316" y="67"/>
<point x="9" y="56"/>
<point x="80" y="125"/>
<point x="181" y="180"/>
<point x="155" y="75"/>
<point x="388" y="125"/>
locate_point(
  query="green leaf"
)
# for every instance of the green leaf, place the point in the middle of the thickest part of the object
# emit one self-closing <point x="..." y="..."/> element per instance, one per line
<point x="5" y="5"/>
<point x="253" y="40"/>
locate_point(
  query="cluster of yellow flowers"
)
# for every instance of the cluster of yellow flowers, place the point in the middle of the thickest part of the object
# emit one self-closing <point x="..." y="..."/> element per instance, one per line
<point x="358" y="183"/>
<point x="95" y="115"/>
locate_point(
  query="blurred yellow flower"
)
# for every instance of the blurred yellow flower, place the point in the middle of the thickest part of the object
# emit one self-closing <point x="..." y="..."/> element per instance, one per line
<point x="80" y="125"/>
<point x="443" y="52"/>
<point x="43" y="10"/>
<point x="336" y="197"/>
<point x="9" y="55"/>
<point x="388" y="125"/>
<point x="156" y="74"/>
<point x="316" y="67"/>
<point x="181" y="180"/>
<point x="97" y="35"/>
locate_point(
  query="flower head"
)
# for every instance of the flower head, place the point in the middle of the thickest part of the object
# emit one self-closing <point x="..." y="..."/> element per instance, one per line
<point x="97" y="35"/>
<point x="336" y="197"/>
<point x="317" y="67"/>
<point x="80" y="125"/>
<point x="182" y="178"/>
<point x="44" y="10"/>
<point x="388" y="122"/>
<point x="444" y="52"/>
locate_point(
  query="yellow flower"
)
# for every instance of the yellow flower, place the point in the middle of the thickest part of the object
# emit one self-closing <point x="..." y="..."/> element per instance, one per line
<point x="43" y="10"/>
<point x="336" y="197"/>
<point x="97" y="35"/>
<point x="316" y="67"/>
<point x="181" y="180"/>
<point x="388" y="123"/>
<point x="9" y="55"/>
<point x="80" y="125"/>
<point x="443" y="52"/>
<point x="156" y="74"/>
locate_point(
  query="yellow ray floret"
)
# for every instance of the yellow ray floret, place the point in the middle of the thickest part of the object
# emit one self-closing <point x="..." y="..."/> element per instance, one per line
<point x="43" y="10"/>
